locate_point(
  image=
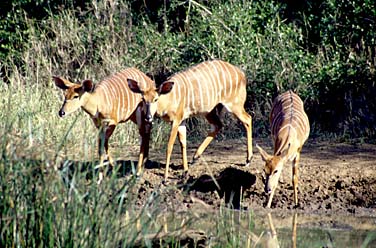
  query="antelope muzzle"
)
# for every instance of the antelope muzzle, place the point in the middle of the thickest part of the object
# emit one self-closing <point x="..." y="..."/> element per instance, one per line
<point x="148" y="115"/>
<point x="267" y="187"/>
<point x="61" y="112"/>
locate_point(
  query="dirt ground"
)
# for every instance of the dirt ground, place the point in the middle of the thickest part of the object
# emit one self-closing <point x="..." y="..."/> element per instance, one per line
<point x="335" y="178"/>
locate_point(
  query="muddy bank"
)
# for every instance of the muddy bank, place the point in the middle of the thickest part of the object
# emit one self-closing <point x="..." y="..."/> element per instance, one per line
<point x="335" y="178"/>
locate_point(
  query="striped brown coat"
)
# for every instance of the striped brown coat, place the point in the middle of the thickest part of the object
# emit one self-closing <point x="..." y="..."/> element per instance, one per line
<point x="200" y="90"/>
<point x="109" y="103"/>
<point x="289" y="129"/>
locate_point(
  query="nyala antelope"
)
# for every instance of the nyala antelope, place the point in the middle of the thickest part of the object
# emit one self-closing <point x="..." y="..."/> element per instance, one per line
<point x="203" y="90"/>
<point x="289" y="129"/>
<point x="109" y="103"/>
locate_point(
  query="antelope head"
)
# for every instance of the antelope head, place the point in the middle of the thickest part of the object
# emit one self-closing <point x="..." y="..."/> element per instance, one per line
<point x="150" y="97"/>
<point x="74" y="94"/>
<point x="272" y="169"/>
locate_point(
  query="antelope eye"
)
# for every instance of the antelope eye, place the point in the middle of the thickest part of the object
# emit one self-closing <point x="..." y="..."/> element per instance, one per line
<point x="275" y="172"/>
<point x="155" y="99"/>
<point x="75" y="97"/>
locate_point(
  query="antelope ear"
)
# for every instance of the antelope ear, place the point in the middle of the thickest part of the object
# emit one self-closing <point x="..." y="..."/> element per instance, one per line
<point x="133" y="85"/>
<point x="264" y="155"/>
<point x="165" y="88"/>
<point x="88" y="85"/>
<point x="62" y="83"/>
<point x="284" y="152"/>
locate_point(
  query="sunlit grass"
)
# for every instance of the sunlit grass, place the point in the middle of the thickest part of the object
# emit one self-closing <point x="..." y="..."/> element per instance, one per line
<point x="49" y="195"/>
<point x="48" y="191"/>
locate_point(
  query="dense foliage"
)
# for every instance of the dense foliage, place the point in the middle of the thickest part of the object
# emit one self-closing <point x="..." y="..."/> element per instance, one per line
<point x="325" y="50"/>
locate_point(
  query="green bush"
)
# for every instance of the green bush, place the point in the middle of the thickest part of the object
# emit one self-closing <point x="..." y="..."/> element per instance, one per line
<point x="323" y="50"/>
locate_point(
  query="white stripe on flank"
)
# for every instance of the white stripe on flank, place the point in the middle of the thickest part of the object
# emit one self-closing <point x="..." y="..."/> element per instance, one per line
<point x="105" y="92"/>
<point x="127" y="94"/>
<point x="196" y="83"/>
<point x="124" y="94"/>
<point x="179" y="81"/>
<point x="216" y="84"/>
<point x="236" y="91"/>
<point x="115" y="109"/>
<point x="120" y="86"/>
<point x="223" y="80"/>
<point x="115" y="90"/>
<point x="183" y="85"/>
<point x="123" y="115"/>
<point x="113" y="95"/>
<point x="132" y="100"/>
<point x="190" y="92"/>
<point x="226" y="81"/>
<point x="208" y="86"/>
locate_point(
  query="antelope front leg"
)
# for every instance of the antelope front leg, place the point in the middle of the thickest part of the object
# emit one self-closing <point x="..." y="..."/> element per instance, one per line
<point x="295" y="175"/>
<point x="101" y="142"/>
<point x="104" y="135"/>
<point x="144" y="148"/>
<point x="270" y="198"/>
<point x="109" y="131"/>
<point x="170" y="145"/>
<point x="182" y="135"/>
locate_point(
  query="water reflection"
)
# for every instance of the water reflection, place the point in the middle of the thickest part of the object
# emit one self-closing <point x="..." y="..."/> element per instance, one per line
<point x="271" y="235"/>
<point x="282" y="230"/>
<point x="294" y="224"/>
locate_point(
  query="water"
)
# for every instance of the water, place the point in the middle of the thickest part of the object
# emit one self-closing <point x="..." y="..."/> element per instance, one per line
<point x="301" y="230"/>
<point x="277" y="228"/>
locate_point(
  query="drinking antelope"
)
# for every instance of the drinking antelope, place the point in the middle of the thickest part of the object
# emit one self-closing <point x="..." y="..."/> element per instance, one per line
<point x="200" y="90"/>
<point x="289" y="129"/>
<point x="109" y="103"/>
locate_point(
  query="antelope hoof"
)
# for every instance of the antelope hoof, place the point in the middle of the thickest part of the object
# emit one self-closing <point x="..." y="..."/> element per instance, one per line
<point x="195" y="161"/>
<point x="137" y="177"/>
<point x="247" y="164"/>
<point x="184" y="175"/>
<point x="166" y="182"/>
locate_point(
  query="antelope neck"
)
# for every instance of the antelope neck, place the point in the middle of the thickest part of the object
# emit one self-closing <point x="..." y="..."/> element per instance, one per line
<point x="90" y="105"/>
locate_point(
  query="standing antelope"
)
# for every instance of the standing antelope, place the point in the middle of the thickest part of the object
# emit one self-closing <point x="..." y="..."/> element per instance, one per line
<point x="200" y="90"/>
<point x="289" y="129"/>
<point x="109" y="103"/>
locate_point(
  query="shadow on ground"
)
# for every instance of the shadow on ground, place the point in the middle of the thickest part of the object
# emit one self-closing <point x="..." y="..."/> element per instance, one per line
<point x="230" y="184"/>
<point x="90" y="169"/>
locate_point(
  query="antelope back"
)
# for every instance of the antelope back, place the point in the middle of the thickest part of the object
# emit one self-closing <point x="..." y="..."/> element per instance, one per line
<point x="289" y="122"/>
<point x="201" y="87"/>
<point x="115" y="99"/>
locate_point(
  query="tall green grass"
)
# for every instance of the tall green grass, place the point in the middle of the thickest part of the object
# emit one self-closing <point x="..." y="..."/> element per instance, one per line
<point x="49" y="196"/>
<point x="43" y="202"/>
<point x="42" y="205"/>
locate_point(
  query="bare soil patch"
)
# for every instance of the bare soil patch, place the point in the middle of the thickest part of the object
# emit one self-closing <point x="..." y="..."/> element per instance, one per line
<point x="335" y="178"/>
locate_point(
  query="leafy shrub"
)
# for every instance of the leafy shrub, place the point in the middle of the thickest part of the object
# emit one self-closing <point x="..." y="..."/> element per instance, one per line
<point x="323" y="50"/>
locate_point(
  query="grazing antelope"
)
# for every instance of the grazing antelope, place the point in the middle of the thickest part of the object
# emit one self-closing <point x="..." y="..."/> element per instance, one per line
<point x="200" y="90"/>
<point x="109" y="103"/>
<point x="289" y="129"/>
